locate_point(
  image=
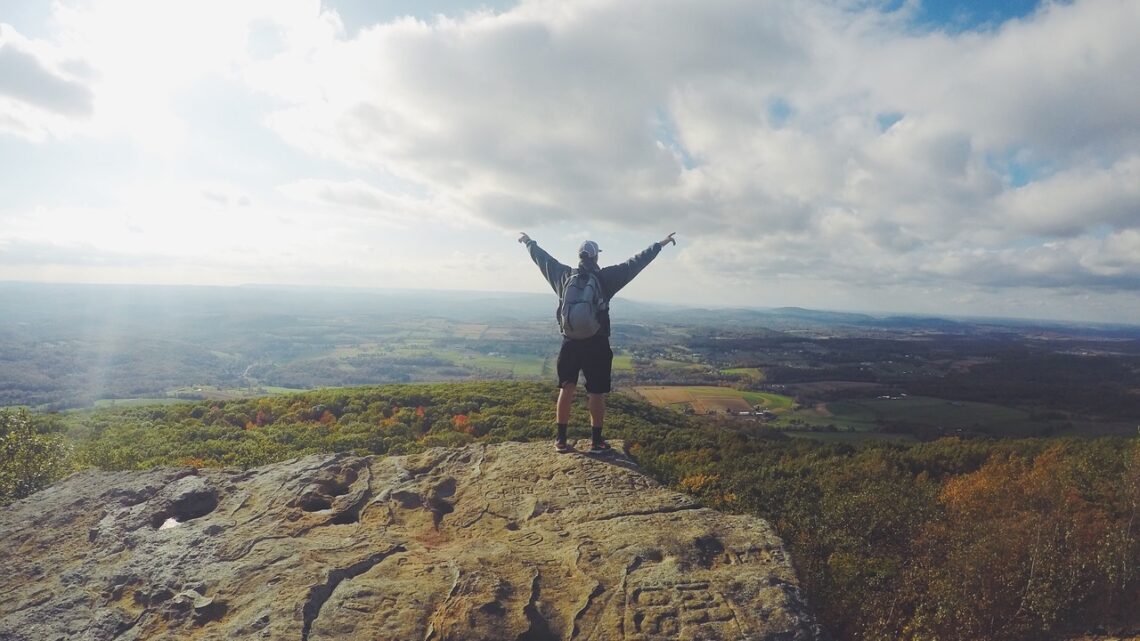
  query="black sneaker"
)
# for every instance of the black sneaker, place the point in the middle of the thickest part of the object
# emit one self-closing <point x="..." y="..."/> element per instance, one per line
<point x="563" y="447"/>
<point x="600" y="447"/>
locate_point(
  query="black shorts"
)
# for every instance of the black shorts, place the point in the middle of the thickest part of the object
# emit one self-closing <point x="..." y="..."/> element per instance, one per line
<point x="591" y="356"/>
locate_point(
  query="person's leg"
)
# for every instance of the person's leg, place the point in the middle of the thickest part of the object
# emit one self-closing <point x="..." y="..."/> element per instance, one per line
<point x="568" y="366"/>
<point x="565" y="401"/>
<point x="597" y="405"/>
<point x="597" y="368"/>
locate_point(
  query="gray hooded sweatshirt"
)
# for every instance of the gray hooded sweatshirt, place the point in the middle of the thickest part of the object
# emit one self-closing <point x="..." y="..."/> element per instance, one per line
<point x="612" y="278"/>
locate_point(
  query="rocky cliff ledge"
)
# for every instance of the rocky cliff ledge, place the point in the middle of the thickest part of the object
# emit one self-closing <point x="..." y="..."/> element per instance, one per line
<point x="508" y="541"/>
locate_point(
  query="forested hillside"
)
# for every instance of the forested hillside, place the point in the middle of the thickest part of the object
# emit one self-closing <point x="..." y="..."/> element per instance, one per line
<point x="980" y="539"/>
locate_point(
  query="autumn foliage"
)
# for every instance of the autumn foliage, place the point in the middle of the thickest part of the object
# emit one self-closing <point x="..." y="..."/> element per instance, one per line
<point x="1027" y="545"/>
<point x="963" y="540"/>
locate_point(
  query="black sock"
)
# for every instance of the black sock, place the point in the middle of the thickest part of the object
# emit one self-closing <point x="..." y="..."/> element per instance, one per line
<point x="596" y="433"/>
<point x="562" y="432"/>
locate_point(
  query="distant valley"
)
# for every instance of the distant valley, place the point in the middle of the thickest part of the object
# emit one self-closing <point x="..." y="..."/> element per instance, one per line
<point x="826" y="374"/>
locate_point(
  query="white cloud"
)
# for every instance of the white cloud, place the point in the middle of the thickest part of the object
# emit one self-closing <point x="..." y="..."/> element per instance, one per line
<point x="549" y="110"/>
<point x="125" y="65"/>
<point x="41" y="94"/>
<point x="1076" y="200"/>
<point x="822" y="144"/>
<point x="24" y="77"/>
<point x="359" y="203"/>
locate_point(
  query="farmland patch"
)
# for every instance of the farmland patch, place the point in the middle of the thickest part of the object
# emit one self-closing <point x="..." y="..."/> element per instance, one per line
<point x="707" y="399"/>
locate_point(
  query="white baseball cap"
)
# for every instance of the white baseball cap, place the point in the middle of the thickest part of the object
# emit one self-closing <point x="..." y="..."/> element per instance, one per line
<point x="589" y="248"/>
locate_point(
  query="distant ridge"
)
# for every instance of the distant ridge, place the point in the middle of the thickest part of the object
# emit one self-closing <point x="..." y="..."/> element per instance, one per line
<point x="66" y="298"/>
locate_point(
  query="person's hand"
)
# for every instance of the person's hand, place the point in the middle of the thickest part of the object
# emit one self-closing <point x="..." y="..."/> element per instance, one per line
<point x="523" y="238"/>
<point x="669" y="239"/>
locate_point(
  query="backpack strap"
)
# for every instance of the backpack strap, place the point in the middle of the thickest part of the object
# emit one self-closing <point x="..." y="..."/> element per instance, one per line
<point x="603" y="301"/>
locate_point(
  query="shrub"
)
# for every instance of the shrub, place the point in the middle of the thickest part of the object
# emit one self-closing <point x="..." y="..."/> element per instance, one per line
<point x="29" y="459"/>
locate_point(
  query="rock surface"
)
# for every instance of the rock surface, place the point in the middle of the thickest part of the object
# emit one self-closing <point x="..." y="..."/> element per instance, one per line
<point x="508" y="541"/>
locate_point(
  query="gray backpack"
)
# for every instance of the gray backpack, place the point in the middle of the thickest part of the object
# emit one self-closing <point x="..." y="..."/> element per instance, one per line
<point x="579" y="309"/>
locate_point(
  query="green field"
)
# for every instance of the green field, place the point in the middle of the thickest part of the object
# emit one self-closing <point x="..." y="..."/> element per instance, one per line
<point x="854" y="421"/>
<point x="104" y="403"/>
<point x="623" y="362"/>
<point x="916" y="411"/>
<point x="670" y="364"/>
<point x="702" y="397"/>
<point x="512" y="364"/>
<point x="776" y="403"/>
<point x="852" y="437"/>
<point x="348" y="351"/>
<point x="754" y="373"/>
<point x="199" y="392"/>
<point x="212" y="393"/>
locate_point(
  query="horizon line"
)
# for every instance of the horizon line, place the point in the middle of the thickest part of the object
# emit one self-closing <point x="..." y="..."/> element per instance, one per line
<point x="403" y="290"/>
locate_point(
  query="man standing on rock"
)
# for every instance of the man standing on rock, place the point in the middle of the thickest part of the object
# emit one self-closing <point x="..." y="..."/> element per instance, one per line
<point x="583" y="314"/>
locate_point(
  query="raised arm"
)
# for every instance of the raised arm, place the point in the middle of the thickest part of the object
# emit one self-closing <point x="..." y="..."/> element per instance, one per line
<point x="615" y="277"/>
<point x="553" y="271"/>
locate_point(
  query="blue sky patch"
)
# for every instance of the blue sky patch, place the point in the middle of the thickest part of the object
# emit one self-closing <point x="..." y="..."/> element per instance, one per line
<point x="778" y="112"/>
<point x="887" y="119"/>
<point x="955" y="16"/>
<point x="666" y="133"/>
<point x="1017" y="169"/>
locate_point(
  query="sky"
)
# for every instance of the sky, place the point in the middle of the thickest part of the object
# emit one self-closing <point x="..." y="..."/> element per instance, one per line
<point x="885" y="156"/>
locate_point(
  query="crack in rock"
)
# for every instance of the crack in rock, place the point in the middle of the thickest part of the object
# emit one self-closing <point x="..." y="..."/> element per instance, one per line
<point x="320" y="594"/>
<point x="539" y="629"/>
<point x="650" y="512"/>
<point x="596" y="592"/>
<point x="126" y="626"/>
